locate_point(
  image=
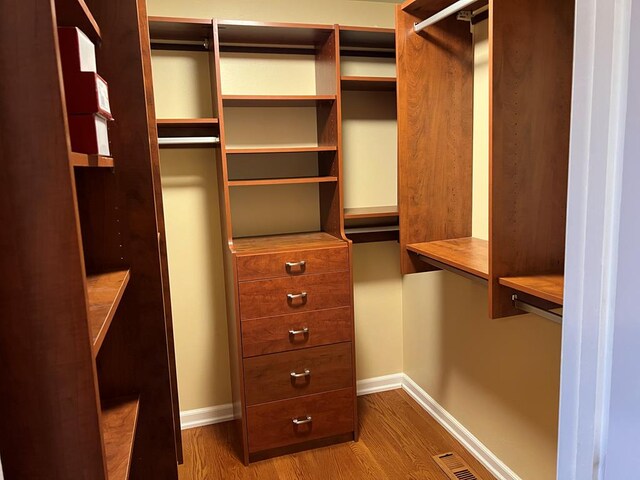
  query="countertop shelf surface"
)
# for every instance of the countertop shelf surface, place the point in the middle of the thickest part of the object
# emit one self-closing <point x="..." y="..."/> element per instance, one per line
<point x="467" y="254"/>
<point x="104" y="292"/>
<point x="549" y="287"/>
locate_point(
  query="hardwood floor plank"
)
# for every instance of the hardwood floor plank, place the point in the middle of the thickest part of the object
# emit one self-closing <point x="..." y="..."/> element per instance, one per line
<point x="397" y="440"/>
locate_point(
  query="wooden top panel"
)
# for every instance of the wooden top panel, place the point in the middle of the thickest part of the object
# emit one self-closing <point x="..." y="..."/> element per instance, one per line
<point x="467" y="254"/>
<point x="104" y="292"/>
<point x="426" y="8"/>
<point x="75" y="13"/>
<point x="283" y="243"/>
<point x="119" y="420"/>
<point x="548" y="287"/>
<point x="265" y="33"/>
<point x="371" y="212"/>
<point x="367" y="37"/>
<point x="175" y="28"/>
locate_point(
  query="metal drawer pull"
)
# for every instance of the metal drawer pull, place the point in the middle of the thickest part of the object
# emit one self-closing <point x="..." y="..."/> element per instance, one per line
<point x="306" y="373"/>
<point x="301" y="263"/>
<point x="297" y="421"/>
<point x="304" y="331"/>
<point x="295" y="296"/>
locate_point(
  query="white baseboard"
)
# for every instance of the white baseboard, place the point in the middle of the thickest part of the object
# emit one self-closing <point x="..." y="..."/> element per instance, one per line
<point x="458" y="431"/>
<point x="223" y="413"/>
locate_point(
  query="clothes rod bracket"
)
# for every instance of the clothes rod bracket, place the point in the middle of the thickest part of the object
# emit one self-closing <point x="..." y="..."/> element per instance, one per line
<point x="527" y="307"/>
<point x="465" y="16"/>
<point x="442" y="14"/>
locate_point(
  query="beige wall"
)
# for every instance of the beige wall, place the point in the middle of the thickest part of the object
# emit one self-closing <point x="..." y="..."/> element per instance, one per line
<point x="498" y="377"/>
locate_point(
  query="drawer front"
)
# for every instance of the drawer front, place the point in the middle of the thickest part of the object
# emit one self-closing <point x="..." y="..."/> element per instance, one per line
<point x="281" y="296"/>
<point x="300" y="330"/>
<point x="279" y="376"/>
<point x="319" y="416"/>
<point x="290" y="264"/>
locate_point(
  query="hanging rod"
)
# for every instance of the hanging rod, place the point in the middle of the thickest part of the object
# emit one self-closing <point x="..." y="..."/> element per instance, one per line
<point x="166" y="141"/>
<point x="527" y="307"/>
<point x="442" y="14"/>
<point x="161" y="42"/>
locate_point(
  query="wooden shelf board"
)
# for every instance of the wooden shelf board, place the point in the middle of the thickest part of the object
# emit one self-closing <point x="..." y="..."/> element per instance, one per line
<point x="467" y="254"/>
<point x="104" y="292"/>
<point x="283" y="243"/>
<point x="76" y="13"/>
<point x="549" y="287"/>
<point x="174" y="28"/>
<point x="426" y="8"/>
<point x="119" y="421"/>
<point x="369" y="83"/>
<point x="187" y="122"/>
<point x="367" y="38"/>
<point x="370" y="212"/>
<point x="280" y="181"/>
<point x="84" y="160"/>
<point x="275" y="100"/>
<point x="324" y="148"/>
<point x="269" y="33"/>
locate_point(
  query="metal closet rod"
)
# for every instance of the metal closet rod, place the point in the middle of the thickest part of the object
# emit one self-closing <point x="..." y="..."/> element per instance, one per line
<point x="527" y="307"/>
<point x="442" y="14"/>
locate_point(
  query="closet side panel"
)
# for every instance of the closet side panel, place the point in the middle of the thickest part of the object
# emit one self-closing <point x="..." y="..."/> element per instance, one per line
<point x="531" y="57"/>
<point x="435" y="133"/>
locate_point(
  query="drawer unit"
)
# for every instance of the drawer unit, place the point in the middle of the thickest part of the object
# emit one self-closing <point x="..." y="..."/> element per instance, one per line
<point x="288" y="422"/>
<point x="293" y="332"/>
<point x="292" y="374"/>
<point x="285" y="264"/>
<point x="280" y="296"/>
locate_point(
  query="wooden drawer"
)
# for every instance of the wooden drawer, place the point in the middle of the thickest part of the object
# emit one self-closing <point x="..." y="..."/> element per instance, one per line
<point x="269" y="377"/>
<point x="269" y="298"/>
<point x="271" y="265"/>
<point x="271" y="425"/>
<point x="273" y="334"/>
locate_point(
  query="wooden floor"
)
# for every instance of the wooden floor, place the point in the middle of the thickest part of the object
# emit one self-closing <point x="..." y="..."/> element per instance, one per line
<point x="397" y="440"/>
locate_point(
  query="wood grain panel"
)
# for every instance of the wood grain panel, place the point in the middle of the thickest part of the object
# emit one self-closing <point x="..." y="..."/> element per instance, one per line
<point x="271" y="335"/>
<point x="119" y="419"/>
<point x="435" y="102"/>
<point x="547" y="287"/>
<point x="466" y="254"/>
<point x="267" y="298"/>
<point x="104" y="292"/>
<point x="531" y="75"/>
<point x="271" y="425"/>
<point x="271" y="265"/>
<point x="268" y="377"/>
<point x="287" y="242"/>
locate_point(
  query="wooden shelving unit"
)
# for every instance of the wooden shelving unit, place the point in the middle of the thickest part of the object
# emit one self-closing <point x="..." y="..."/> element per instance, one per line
<point x="367" y="41"/>
<point x="84" y="160"/>
<point x="385" y="84"/>
<point x="119" y="420"/>
<point x="275" y="100"/>
<point x="104" y="292"/>
<point x="548" y="287"/>
<point x="281" y="181"/>
<point x="370" y="212"/>
<point x="268" y="150"/>
<point x="468" y="255"/>
<point x="76" y="13"/>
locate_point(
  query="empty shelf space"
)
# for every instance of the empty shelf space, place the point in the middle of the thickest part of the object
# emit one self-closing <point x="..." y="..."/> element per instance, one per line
<point x="370" y="212"/>
<point x="84" y="160"/>
<point x="265" y="34"/>
<point x="75" y="13"/>
<point x="326" y="148"/>
<point x="291" y="241"/>
<point x="367" y="41"/>
<point x="275" y="100"/>
<point x="119" y="420"/>
<point x="384" y="84"/>
<point x="182" y="29"/>
<point x="280" y="181"/>
<point x="469" y="255"/>
<point x="549" y="287"/>
<point x="104" y="292"/>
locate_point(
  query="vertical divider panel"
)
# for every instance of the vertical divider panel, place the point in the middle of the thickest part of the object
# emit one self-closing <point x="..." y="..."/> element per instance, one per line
<point x="435" y="135"/>
<point x="531" y="58"/>
<point x="230" y="268"/>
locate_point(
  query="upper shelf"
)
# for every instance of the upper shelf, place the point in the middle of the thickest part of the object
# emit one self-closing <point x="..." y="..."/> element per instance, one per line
<point x="426" y="8"/>
<point x="367" y="41"/>
<point x="370" y="212"/>
<point x="549" y="287"/>
<point x="172" y="28"/>
<point x="272" y="34"/>
<point x="187" y="127"/>
<point x="387" y="84"/>
<point x="255" y="150"/>
<point x="75" y="13"/>
<point x="275" y="100"/>
<point x="104" y="292"/>
<point x="469" y="255"/>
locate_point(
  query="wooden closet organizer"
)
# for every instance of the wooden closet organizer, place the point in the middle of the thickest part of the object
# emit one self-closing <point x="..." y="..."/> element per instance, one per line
<point x="531" y="57"/>
<point x="88" y="377"/>
<point x="289" y="295"/>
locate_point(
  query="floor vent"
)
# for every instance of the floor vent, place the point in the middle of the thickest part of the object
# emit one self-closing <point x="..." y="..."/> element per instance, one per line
<point x="455" y="467"/>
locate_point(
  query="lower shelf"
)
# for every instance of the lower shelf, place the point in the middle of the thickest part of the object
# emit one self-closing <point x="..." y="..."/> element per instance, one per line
<point x="461" y="255"/>
<point x="104" y="292"/>
<point x="84" y="160"/>
<point x="380" y="233"/>
<point x="549" y="287"/>
<point x="119" y="420"/>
